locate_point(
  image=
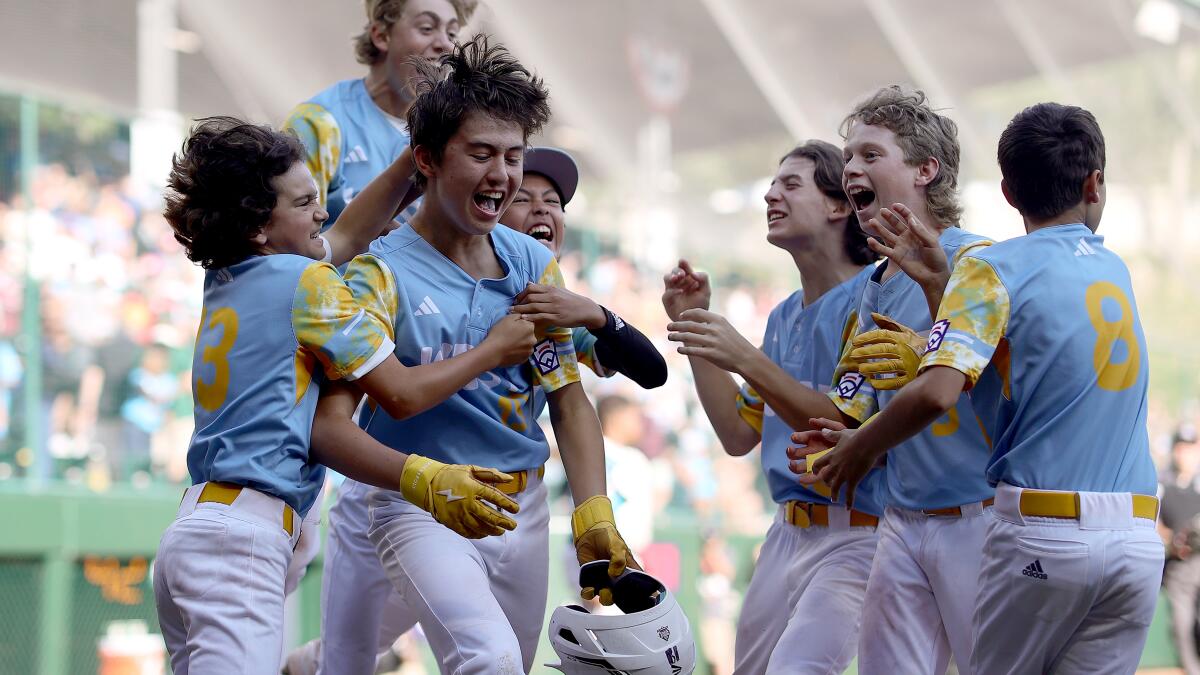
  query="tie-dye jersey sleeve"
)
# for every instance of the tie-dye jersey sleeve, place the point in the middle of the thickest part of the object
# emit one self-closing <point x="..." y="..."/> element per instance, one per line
<point x="750" y="407"/>
<point x="971" y="320"/>
<point x="322" y="139"/>
<point x="344" y="338"/>
<point x="585" y="352"/>
<point x="554" y="362"/>
<point x="373" y="287"/>
<point x="850" y="391"/>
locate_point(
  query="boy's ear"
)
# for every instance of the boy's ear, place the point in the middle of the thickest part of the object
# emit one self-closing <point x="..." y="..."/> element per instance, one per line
<point x="927" y="171"/>
<point x="260" y="238"/>
<point x="379" y="36"/>
<point x="423" y="158"/>
<point x="836" y="209"/>
<point x="1008" y="195"/>
<point x="1092" y="186"/>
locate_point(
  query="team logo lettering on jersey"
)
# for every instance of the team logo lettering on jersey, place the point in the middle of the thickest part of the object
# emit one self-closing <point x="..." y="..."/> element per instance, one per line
<point x="936" y="335"/>
<point x="545" y="357"/>
<point x="849" y="385"/>
<point x="446" y="351"/>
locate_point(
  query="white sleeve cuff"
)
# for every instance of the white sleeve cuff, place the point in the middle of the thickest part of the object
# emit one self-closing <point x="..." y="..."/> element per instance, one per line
<point x="385" y="350"/>
<point x="328" y="250"/>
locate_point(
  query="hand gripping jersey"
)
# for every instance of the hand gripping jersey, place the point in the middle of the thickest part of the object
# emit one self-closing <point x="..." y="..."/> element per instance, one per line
<point x="807" y="342"/>
<point x="438" y="311"/>
<point x="349" y="141"/>
<point x="1046" y="329"/>
<point x="943" y="465"/>
<point x="267" y="323"/>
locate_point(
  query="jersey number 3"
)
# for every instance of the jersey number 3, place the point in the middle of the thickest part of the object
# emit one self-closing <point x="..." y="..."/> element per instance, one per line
<point x="211" y="395"/>
<point x="1113" y="375"/>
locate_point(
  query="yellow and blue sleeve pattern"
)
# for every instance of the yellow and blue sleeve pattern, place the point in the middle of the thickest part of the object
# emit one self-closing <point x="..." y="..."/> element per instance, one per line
<point x="322" y="139"/>
<point x="750" y="407"/>
<point x="554" y="362"/>
<point x="971" y="321"/>
<point x="331" y="327"/>
<point x="851" y="392"/>
<point x="373" y="287"/>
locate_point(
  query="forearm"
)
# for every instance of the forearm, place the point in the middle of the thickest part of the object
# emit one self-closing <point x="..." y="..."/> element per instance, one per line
<point x="919" y="404"/>
<point x="338" y="443"/>
<point x="623" y="348"/>
<point x="580" y="442"/>
<point x="794" y="402"/>
<point x="368" y="214"/>
<point x="718" y="393"/>
<point x="934" y="290"/>
<point x="406" y="391"/>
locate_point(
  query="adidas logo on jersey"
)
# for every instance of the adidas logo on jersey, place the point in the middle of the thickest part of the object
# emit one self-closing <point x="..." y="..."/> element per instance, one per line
<point x="427" y="307"/>
<point x="1034" y="569"/>
<point x="356" y="154"/>
<point x="1083" y="248"/>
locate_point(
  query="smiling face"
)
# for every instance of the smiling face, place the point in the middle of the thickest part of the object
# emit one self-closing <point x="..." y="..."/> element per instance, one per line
<point x="876" y="174"/>
<point x="295" y="222"/>
<point x="537" y="211"/>
<point x="426" y="28"/>
<point x="479" y="172"/>
<point x="797" y="210"/>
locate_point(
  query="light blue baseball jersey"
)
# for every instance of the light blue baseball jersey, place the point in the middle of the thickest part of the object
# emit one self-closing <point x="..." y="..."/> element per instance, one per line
<point x="349" y="141"/>
<point x="1046" y="329"/>
<point x="807" y="343"/>
<point x="585" y="354"/>
<point x="944" y="464"/>
<point x="268" y="324"/>
<point x="437" y="311"/>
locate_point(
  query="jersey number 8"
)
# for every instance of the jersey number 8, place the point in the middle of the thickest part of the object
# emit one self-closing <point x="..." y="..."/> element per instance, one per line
<point x="1112" y="375"/>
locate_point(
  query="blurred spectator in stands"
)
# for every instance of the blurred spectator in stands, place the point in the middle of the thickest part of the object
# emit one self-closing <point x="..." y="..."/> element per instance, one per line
<point x="152" y="388"/>
<point x="1180" y="528"/>
<point x="630" y="484"/>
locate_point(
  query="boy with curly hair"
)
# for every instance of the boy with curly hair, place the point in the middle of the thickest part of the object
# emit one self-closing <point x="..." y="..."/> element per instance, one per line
<point x="277" y="319"/>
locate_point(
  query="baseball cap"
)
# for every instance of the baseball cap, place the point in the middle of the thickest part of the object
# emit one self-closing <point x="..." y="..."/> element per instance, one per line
<point x="556" y="165"/>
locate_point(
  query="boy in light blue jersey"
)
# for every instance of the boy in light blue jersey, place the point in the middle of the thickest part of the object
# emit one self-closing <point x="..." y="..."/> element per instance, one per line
<point x="361" y="614"/>
<point x="803" y="607"/>
<point x="922" y="589"/>
<point x="436" y="280"/>
<point x="275" y="317"/>
<point x="354" y="129"/>
<point x="1044" y="331"/>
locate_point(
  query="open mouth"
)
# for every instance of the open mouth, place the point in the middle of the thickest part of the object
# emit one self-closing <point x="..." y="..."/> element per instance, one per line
<point x="774" y="215"/>
<point x="489" y="201"/>
<point x="541" y="232"/>
<point x="862" y="197"/>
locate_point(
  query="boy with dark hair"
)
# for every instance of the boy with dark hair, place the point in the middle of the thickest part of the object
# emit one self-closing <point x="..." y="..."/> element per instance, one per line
<point x="1044" y="331"/>
<point x="244" y="206"/>
<point x="435" y="281"/>
<point x="802" y="609"/>
<point x="900" y="151"/>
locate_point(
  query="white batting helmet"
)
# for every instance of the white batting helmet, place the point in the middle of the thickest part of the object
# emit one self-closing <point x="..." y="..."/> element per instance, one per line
<point x="652" y="637"/>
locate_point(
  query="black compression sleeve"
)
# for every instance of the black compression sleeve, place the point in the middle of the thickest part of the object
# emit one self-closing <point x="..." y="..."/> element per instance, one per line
<point x="623" y="348"/>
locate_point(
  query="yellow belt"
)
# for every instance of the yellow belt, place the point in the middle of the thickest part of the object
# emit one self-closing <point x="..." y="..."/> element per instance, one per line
<point x="520" y="479"/>
<point x="225" y="493"/>
<point x="1044" y="504"/>
<point x="805" y="514"/>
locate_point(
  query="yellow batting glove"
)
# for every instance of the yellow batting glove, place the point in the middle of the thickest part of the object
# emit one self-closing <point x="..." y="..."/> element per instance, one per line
<point x="459" y="496"/>
<point x="596" y="538"/>
<point x="888" y="356"/>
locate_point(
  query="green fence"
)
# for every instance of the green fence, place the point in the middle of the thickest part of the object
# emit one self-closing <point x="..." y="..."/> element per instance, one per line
<point x="75" y="567"/>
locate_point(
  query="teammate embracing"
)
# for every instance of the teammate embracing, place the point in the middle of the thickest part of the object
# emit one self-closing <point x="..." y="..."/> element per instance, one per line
<point x="436" y="280"/>
<point x="277" y="320"/>
<point x="1044" y="330"/>
<point x="802" y="610"/>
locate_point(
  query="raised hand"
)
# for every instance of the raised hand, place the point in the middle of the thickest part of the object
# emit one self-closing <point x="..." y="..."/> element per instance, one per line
<point x="910" y="244"/>
<point x="709" y="336"/>
<point x="684" y="289"/>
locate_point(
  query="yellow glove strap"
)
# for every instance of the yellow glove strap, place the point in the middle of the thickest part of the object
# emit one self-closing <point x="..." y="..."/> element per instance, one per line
<point x="416" y="478"/>
<point x="594" y="510"/>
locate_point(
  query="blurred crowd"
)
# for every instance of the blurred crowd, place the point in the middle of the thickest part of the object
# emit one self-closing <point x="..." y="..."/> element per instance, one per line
<point x="118" y="309"/>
